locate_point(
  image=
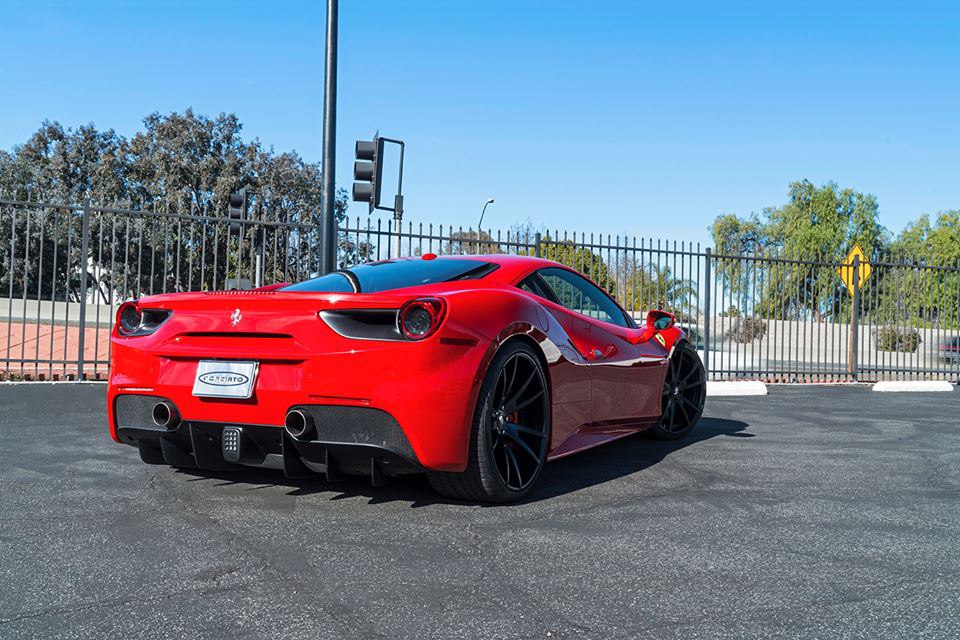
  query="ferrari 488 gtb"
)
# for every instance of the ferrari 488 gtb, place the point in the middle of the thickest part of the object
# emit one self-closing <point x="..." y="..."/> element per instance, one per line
<point x="475" y="370"/>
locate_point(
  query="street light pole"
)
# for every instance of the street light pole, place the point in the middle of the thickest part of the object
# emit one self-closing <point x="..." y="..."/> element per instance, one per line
<point x="328" y="219"/>
<point x="483" y="211"/>
<point x="480" y="223"/>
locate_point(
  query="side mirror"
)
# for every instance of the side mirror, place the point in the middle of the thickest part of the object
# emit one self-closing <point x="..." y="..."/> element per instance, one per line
<point x="660" y="320"/>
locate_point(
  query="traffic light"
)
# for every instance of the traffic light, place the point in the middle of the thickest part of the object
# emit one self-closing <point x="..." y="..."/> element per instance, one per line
<point x="368" y="171"/>
<point x="237" y="212"/>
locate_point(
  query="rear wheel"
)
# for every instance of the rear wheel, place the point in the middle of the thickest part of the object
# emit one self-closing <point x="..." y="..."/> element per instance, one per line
<point x="510" y="433"/>
<point x="684" y="394"/>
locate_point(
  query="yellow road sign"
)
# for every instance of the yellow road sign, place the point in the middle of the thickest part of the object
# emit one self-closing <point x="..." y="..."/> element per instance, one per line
<point x="846" y="270"/>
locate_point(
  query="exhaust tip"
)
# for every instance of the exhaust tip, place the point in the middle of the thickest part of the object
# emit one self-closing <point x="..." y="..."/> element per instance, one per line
<point x="166" y="416"/>
<point x="298" y="425"/>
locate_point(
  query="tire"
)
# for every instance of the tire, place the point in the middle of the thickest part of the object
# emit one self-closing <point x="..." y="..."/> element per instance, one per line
<point x="684" y="394"/>
<point x="510" y="431"/>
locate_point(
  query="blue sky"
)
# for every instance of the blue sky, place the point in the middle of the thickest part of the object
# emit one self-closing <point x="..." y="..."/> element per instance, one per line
<point x="638" y="118"/>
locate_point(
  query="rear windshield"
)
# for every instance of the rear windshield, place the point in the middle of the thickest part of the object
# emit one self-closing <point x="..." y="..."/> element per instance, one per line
<point x="384" y="276"/>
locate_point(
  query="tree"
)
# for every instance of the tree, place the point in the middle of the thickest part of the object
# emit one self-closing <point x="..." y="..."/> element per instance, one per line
<point x="735" y="235"/>
<point x="669" y="292"/>
<point x="579" y="258"/>
<point x="180" y="163"/>
<point x="471" y="243"/>
<point x="928" y="296"/>
<point x="816" y="223"/>
<point x="57" y="164"/>
<point x="641" y="286"/>
<point x="937" y="243"/>
<point x="825" y="221"/>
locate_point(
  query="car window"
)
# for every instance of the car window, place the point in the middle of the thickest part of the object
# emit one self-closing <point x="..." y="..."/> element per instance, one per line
<point x="527" y="285"/>
<point x="535" y="285"/>
<point x="336" y="282"/>
<point x="579" y="294"/>
<point x="395" y="274"/>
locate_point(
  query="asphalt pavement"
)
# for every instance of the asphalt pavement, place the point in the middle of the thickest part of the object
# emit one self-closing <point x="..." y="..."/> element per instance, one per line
<point x="813" y="512"/>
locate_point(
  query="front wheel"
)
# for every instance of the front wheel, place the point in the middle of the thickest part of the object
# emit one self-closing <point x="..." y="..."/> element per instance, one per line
<point x="510" y="433"/>
<point x="684" y="394"/>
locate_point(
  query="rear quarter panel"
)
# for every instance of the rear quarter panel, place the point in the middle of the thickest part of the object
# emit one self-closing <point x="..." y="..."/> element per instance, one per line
<point x="503" y="313"/>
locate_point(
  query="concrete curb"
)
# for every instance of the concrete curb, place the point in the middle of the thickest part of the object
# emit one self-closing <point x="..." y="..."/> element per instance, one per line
<point x="896" y="386"/>
<point x="736" y="388"/>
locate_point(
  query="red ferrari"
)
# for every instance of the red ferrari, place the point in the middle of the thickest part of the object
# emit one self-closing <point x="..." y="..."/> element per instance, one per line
<point x="475" y="370"/>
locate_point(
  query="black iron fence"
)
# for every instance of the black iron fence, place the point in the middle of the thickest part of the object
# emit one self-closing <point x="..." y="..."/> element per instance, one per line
<point x="792" y="319"/>
<point x="66" y="268"/>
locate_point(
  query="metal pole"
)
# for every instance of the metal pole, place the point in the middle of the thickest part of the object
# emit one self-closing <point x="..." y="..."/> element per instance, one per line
<point x="707" y="310"/>
<point x="261" y="256"/>
<point x="398" y="202"/>
<point x="480" y="223"/>
<point x="328" y="220"/>
<point x="398" y="226"/>
<point x="84" y="249"/>
<point x="854" y="319"/>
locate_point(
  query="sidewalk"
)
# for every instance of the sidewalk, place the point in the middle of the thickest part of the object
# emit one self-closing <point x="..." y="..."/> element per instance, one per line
<point x="55" y="347"/>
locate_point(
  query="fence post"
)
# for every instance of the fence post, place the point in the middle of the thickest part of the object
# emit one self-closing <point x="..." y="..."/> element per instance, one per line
<point x="536" y="251"/>
<point x="855" y="320"/>
<point x="707" y="275"/>
<point x="84" y="249"/>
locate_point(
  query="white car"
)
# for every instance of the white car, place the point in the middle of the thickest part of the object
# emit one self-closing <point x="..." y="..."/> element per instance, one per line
<point x="950" y="350"/>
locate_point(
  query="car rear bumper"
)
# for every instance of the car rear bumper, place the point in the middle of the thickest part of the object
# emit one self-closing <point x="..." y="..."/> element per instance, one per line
<point x="426" y="391"/>
<point x="348" y="440"/>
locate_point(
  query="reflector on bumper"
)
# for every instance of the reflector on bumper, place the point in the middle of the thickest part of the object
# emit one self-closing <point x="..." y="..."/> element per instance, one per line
<point x="230" y="444"/>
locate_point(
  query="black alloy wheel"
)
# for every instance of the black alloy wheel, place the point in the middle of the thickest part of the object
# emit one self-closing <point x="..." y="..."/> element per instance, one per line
<point x="510" y="433"/>
<point x="684" y="394"/>
<point x="517" y="421"/>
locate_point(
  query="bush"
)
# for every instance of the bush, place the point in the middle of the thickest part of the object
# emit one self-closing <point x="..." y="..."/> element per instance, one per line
<point x="747" y="329"/>
<point x="897" y="339"/>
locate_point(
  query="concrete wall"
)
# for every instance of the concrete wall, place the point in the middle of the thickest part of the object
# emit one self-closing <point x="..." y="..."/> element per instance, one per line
<point x="816" y="342"/>
<point x="55" y="313"/>
<point x="821" y="346"/>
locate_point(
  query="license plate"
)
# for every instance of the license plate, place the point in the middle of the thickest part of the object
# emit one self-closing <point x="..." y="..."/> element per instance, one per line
<point x="225" y="378"/>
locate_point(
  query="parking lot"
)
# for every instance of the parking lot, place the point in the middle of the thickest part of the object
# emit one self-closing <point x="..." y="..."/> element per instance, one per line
<point x="814" y="512"/>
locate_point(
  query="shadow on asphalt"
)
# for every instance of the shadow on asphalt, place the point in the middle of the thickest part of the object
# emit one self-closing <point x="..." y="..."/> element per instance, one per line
<point x="580" y="471"/>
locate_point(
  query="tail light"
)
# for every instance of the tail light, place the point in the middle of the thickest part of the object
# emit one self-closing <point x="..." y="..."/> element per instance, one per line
<point x="364" y="324"/>
<point x="419" y="319"/>
<point x="134" y="321"/>
<point x="128" y="318"/>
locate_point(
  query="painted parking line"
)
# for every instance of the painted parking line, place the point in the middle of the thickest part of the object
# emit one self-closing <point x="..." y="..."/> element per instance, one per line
<point x="896" y="386"/>
<point x="736" y="388"/>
